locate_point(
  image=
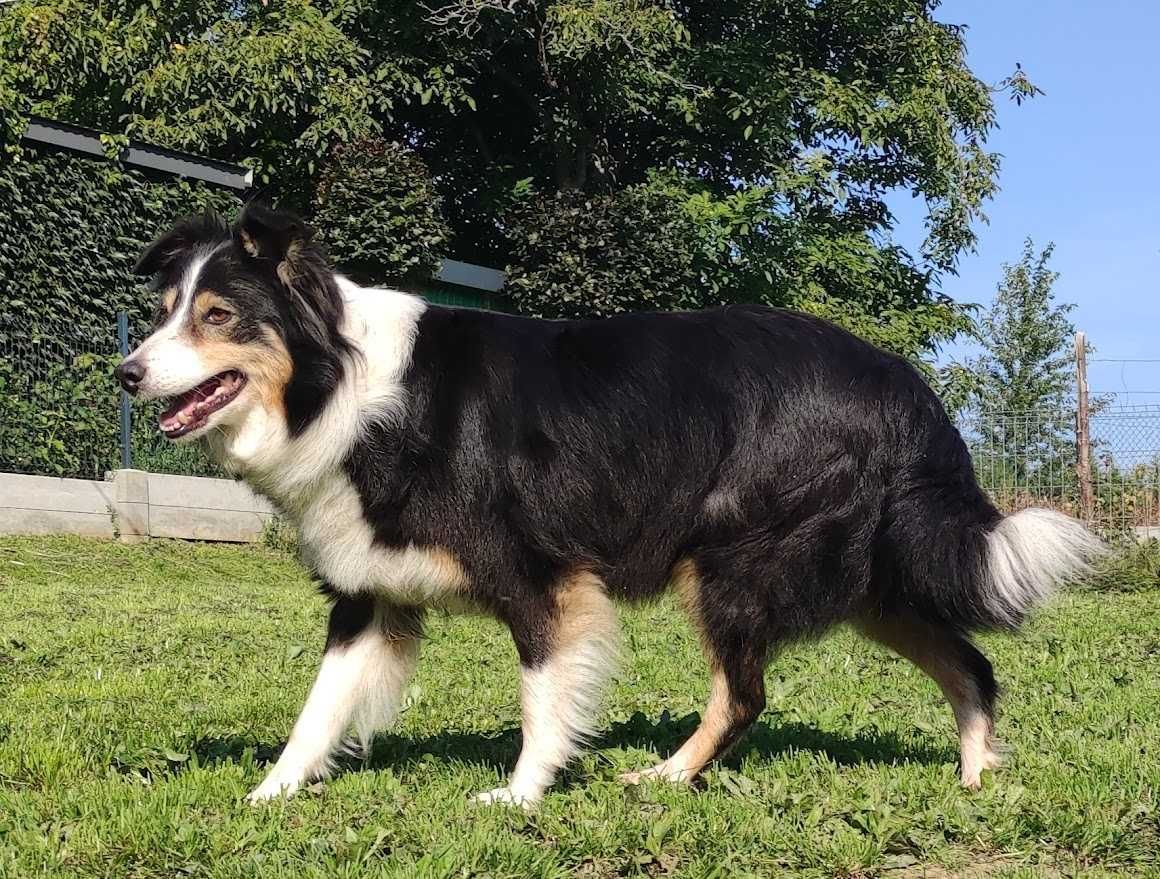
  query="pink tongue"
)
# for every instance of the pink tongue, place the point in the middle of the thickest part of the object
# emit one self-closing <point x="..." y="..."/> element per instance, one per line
<point x="186" y="403"/>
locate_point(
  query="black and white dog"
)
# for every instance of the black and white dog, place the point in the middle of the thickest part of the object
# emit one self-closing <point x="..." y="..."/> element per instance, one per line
<point x="779" y="474"/>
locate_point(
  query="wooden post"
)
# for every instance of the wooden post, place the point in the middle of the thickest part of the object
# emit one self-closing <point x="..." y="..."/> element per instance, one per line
<point x="1083" y="446"/>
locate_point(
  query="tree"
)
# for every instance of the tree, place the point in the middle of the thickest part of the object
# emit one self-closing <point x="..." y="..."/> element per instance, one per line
<point x="1027" y="359"/>
<point x="275" y="84"/>
<point x="764" y="135"/>
<point x="1023" y="378"/>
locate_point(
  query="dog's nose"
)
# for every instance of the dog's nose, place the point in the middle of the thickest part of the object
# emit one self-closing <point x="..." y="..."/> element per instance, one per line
<point x="129" y="373"/>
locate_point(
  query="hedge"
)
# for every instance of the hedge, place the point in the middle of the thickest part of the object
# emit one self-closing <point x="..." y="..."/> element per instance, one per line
<point x="72" y="230"/>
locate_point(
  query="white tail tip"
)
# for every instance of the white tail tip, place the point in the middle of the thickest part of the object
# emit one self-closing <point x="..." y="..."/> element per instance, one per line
<point x="1029" y="555"/>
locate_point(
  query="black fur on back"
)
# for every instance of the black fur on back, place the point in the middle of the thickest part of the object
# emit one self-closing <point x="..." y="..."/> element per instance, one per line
<point x="810" y="476"/>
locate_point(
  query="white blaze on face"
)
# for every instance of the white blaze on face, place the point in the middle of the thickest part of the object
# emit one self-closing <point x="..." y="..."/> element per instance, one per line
<point x="172" y="362"/>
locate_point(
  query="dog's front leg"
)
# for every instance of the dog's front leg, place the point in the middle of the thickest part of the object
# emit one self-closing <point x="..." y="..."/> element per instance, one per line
<point x="371" y="653"/>
<point x="568" y="650"/>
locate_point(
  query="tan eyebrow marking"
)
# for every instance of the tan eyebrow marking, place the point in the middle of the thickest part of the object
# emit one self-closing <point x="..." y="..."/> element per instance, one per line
<point x="207" y="299"/>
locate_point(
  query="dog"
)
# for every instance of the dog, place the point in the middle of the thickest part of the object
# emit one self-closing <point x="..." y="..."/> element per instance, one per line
<point x="780" y="475"/>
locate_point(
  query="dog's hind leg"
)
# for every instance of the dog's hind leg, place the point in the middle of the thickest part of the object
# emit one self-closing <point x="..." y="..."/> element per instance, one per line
<point x="737" y="654"/>
<point x="371" y="653"/>
<point x="568" y="650"/>
<point x="963" y="674"/>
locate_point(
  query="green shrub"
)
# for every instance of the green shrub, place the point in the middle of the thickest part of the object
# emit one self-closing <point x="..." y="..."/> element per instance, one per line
<point x="60" y="420"/>
<point x="1132" y="566"/>
<point x="578" y="255"/>
<point x="280" y="536"/>
<point x="378" y="212"/>
<point x="73" y="230"/>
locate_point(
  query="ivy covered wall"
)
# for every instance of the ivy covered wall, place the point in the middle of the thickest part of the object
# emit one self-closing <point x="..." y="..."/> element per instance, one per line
<point x="71" y="229"/>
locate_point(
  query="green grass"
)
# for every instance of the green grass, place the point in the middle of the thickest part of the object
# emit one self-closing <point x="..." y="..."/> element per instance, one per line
<point x="142" y="690"/>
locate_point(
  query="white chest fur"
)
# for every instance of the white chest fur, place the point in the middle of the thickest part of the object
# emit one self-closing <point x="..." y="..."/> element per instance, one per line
<point x="305" y="477"/>
<point x="338" y="542"/>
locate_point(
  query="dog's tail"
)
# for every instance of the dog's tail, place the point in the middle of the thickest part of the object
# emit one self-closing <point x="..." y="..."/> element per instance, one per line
<point x="1025" y="558"/>
<point x="965" y="565"/>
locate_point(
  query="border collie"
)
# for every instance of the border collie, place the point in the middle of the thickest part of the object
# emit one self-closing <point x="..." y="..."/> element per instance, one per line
<point x="779" y="474"/>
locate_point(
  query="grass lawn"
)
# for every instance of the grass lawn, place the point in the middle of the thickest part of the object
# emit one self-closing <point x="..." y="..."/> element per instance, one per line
<point x="143" y="689"/>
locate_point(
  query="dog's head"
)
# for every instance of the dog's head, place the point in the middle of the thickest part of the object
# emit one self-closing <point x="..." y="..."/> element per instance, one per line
<point x="248" y="320"/>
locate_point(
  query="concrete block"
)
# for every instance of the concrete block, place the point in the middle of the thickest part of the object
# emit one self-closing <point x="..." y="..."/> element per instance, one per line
<point x="133" y="505"/>
<point x="44" y="522"/>
<point x="21" y="492"/>
<point x="166" y="490"/>
<point x="131" y="510"/>
<point x="132" y="486"/>
<point x="194" y="523"/>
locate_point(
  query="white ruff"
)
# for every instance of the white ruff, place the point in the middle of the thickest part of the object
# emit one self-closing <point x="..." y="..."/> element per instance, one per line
<point x="304" y="475"/>
<point x="382" y="324"/>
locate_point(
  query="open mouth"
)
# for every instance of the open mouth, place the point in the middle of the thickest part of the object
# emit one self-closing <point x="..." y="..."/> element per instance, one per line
<point x="191" y="410"/>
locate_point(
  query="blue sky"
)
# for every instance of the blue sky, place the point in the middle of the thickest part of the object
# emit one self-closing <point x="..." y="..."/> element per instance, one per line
<point x="1081" y="168"/>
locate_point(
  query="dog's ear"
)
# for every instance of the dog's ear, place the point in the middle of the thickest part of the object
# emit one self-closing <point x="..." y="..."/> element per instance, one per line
<point x="271" y="235"/>
<point x="287" y="244"/>
<point x="186" y="234"/>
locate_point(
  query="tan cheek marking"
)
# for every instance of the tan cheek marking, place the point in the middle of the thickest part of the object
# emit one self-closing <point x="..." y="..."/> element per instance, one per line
<point x="169" y="300"/>
<point x="272" y="369"/>
<point x="267" y="366"/>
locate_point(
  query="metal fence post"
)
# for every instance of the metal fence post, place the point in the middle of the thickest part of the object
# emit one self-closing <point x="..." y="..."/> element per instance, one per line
<point x="1083" y="446"/>
<point x="126" y="412"/>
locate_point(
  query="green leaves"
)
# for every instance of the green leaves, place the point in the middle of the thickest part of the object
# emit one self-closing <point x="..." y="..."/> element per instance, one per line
<point x="727" y="151"/>
<point x="379" y="213"/>
<point x="273" y="85"/>
<point x="74" y="228"/>
<point x="1022" y="382"/>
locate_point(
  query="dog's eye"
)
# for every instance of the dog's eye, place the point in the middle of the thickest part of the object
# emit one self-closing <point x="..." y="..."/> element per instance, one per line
<point x="217" y="315"/>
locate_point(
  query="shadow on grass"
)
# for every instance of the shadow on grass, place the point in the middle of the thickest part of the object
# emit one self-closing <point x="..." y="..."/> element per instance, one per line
<point x="662" y="736"/>
<point x="767" y="741"/>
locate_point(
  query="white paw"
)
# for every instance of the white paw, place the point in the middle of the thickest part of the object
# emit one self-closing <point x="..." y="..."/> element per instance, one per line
<point x="661" y="771"/>
<point x="505" y="795"/>
<point x="274" y="788"/>
<point x="636" y="777"/>
<point x="972" y="775"/>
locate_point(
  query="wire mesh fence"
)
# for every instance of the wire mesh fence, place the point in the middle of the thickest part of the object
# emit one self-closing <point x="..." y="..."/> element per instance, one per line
<point x="1126" y="467"/>
<point x="60" y="409"/>
<point x="1025" y="459"/>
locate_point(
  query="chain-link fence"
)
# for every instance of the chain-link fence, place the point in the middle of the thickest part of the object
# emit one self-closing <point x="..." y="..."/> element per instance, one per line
<point x="61" y="410"/>
<point x="1027" y="459"/>
<point x="1125" y="467"/>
